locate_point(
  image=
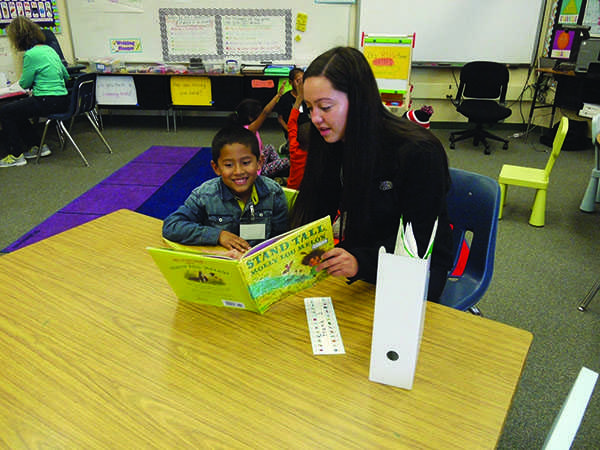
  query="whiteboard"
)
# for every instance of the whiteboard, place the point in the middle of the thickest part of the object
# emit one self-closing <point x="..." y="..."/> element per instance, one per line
<point x="458" y="31"/>
<point x="130" y="30"/>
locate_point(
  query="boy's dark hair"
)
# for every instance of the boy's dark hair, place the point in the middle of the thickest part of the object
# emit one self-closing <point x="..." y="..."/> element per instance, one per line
<point x="294" y="72"/>
<point x="234" y="135"/>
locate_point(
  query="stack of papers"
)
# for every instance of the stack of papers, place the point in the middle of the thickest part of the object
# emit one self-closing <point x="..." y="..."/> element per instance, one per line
<point x="252" y="69"/>
<point x="13" y="89"/>
<point x="406" y="244"/>
<point x="589" y="110"/>
<point x="278" y="70"/>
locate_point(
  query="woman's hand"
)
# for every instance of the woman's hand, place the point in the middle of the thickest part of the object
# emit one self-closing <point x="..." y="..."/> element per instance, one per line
<point x="339" y="263"/>
<point x="232" y="241"/>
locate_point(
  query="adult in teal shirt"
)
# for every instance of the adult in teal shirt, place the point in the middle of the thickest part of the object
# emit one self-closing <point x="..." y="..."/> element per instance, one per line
<point x="43" y="73"/>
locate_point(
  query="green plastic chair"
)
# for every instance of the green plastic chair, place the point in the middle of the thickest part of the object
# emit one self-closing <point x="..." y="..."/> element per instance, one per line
<point x="530" y="177"/>
<point x="290" y="195"/>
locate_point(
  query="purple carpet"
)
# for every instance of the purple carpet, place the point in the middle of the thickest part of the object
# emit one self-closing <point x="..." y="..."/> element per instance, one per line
<point x="155" y="183"/>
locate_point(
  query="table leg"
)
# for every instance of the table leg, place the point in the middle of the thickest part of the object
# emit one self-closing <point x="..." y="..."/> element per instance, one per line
<point x="589" y="296"/>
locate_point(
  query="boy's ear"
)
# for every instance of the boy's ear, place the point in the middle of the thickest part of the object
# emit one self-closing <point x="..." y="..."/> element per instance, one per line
<point x="215" y="168"/>
<point x="261" y="161"/>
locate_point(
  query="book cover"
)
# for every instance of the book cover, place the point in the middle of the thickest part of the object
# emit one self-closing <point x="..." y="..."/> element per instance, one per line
<point x="268" y="272"/>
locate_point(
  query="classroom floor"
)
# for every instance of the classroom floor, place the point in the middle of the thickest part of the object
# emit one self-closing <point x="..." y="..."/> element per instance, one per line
<point x="540" y="273"/>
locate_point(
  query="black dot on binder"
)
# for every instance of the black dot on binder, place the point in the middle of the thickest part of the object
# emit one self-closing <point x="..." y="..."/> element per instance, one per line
<point x="392" y="355"/>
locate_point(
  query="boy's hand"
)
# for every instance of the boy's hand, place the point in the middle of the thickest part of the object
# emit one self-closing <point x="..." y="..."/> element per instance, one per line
<point x="232" y="241"/>
<point x="234" y="254"/>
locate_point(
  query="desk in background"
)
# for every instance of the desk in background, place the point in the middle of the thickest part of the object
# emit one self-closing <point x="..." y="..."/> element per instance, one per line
<point x="97" y="352"/>
<point x="227" y="91"/>
<point x="572" y="90"/>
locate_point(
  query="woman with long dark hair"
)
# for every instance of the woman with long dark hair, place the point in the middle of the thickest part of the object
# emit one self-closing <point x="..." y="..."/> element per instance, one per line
<point x="368" y="168"/>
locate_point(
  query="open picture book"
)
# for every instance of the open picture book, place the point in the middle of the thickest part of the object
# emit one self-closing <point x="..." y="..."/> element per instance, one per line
<point x="266" y="273"/>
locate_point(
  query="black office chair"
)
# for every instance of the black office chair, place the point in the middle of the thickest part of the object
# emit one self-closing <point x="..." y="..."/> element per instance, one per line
<point x="51" y="41"/>
<point x="480" y="98"/>
<point x="83" y="101"/>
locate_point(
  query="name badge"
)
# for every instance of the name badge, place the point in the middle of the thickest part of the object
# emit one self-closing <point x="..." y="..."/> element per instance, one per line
<point x="252" y="231"/>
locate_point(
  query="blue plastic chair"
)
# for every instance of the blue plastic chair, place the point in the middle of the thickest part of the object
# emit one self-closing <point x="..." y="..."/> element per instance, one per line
<point x="82" y="102"/>
<point x="473" y="205"/>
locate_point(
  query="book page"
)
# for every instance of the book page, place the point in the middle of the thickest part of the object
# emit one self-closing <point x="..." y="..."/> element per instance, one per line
<point x="286" y="264"/>
<point x="203" y="249"/>
<point x="205" y="279"/>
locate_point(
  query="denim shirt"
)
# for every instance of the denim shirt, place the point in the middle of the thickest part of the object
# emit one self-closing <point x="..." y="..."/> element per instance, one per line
<point x="212" y="207"/>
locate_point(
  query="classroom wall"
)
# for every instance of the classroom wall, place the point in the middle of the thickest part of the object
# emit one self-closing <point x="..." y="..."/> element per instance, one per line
<point x="430" y="85"/>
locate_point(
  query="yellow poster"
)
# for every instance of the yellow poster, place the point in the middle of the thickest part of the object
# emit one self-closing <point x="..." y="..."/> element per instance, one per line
<point x="391" y="62"/>
<point x="191" y="91"/>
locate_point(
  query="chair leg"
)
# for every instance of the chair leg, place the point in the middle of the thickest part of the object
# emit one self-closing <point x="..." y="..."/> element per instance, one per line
<point x="589" y="198"/>
<point x="462" y="135"/>
<point x="68" y="136"/>
<point x="61" y="136"/>
<point x="538" y="212"/>
<point x="503" y="189"/>
<point x="479" y="135"/>
<point x="475" y="311"/>
<point x="589" y="296"/>
<point x="94" y="114"/>
<point x="493" y="137"/>
<point x="39" y="153"/>
<point x="98" y="132"/>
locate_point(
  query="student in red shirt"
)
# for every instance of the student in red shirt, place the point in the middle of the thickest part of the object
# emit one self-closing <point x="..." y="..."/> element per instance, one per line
<point x="298" y="141"/>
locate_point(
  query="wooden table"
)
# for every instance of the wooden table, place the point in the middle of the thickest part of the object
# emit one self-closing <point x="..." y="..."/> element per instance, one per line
<point x="96" y="352"/>
<point x="542" y="74"/>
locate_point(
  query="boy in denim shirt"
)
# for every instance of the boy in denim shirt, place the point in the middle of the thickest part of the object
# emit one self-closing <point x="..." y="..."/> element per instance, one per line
<point x="239" y="208"/>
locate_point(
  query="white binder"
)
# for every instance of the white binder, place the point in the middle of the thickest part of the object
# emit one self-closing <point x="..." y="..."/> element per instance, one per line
<point x="400" y="302"/>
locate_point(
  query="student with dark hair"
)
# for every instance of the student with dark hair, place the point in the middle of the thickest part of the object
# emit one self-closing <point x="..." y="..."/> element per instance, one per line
<point x="286" y="103"/>
<point x="369" y="168"/>
<point x="251" y="115"/>
<point x="43" y="73"/>
<point x="238" y="208"/>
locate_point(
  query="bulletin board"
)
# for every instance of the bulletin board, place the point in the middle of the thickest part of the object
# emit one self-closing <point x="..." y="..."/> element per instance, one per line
<point x="216" y="34"/>
<point x="592" y="17"/>
<point x="44" y="13"/>
<point x="458" y="31"/>
<point x="390" y="60"/>
<point x="163" y="31"/>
